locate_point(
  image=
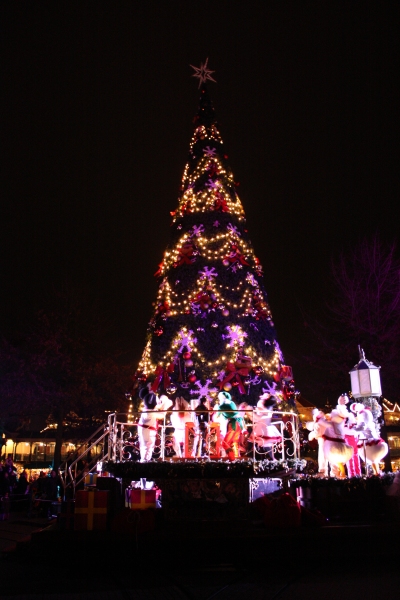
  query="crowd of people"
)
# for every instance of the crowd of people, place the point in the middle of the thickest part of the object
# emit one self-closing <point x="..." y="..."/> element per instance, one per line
<point x="45" y="487"/>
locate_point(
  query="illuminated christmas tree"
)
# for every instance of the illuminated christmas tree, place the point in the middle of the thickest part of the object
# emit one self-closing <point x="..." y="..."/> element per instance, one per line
<point x="212" y="327"/>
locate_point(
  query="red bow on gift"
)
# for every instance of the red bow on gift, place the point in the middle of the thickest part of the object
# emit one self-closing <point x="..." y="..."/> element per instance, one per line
<point x="162" y="374"/>
<point x="235" y="372"/>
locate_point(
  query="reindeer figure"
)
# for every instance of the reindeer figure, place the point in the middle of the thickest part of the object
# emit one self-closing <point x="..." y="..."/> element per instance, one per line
<point x="371" y="447"/>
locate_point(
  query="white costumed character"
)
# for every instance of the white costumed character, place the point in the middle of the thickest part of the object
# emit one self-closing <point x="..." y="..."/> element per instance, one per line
<point x="147" y="426"/>
<point x="180" y="415"/>
<point x="353" y="465"/>
<point x="336" y="451"/>
<point x="265" y="434"/>
<point x="317" y="428"/>
<point x="162" y="406"/>
<point x="371" y="447"/>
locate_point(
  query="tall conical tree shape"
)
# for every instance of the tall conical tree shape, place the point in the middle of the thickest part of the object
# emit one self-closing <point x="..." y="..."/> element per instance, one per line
<point x="212" y="327"/>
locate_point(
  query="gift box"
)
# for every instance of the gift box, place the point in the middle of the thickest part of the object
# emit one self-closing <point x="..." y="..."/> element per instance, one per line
<point x="281" y="512"/>
<point x="133" y="522"/>
<point x="91" y="511"/>
<point x="113" y="486"/>
<point x="139" y="499"/>
<point x="90" y="479"/>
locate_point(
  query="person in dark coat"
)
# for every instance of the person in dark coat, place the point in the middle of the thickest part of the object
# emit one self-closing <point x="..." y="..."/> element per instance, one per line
<point x="22" y="483"/>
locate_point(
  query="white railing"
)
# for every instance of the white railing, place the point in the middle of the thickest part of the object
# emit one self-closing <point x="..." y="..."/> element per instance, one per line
<point x="196" y="440"/>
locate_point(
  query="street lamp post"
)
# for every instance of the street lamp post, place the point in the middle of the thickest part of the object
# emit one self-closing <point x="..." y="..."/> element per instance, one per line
<point x="365" y="378"/>
<point x="366" y="383"/>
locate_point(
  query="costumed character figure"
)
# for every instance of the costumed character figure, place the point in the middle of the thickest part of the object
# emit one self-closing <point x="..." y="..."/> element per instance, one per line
<point x="218" y="417"/>
<point x="246" y="411"/>
<point x="265" y="435"/>
<point x="202" y="417"/>
<point x="350" y="435"/>
<point x="317" y="428"/>
<point x="235" y="425"/>
<point x="371" y="447"/>
<point x="336" y="451"/>
<point x="163" y="404"/>
<point x="180" y="415"/>
<point x="162" y="407"/>
<point x="148" y="424"/>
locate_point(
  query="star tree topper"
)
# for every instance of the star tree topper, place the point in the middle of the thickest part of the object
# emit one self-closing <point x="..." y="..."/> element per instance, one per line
<point x="202" y="73"/>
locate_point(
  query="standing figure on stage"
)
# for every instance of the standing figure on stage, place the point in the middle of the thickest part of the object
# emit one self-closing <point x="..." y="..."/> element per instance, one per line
<point x="218" y="417"/>
<point x="353" y="465"/>
<point x="336" y="451"/>
<point x="180" y="415"/>
<point x="317" y="429"/>
<point x="147" y="426"/>
<point x="235" y="425"/>
<point x="371" y="447"/>
<point x="265" y="435"/>
<point x="202" y="417"/>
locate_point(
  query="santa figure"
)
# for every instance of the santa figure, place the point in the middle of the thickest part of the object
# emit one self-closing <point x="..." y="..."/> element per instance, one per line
<point x="235" y="424"/>
<point x="353" y="465"/>
<point x="371" y="447"/>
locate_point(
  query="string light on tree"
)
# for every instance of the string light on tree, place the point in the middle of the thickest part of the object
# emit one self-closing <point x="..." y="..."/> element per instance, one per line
<point x="211" y="326"/>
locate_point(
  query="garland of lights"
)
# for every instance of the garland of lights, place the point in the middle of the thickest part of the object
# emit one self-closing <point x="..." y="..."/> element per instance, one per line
<point x="212" y="326"/>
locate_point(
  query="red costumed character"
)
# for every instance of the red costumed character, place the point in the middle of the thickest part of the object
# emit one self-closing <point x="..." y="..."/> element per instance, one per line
<point x="228" y="409"/>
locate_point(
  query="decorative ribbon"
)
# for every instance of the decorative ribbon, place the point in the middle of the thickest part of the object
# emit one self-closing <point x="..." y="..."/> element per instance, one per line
<point x="147" y="427"/>
<point x="203" y="299"/>
<point x="159" y="270"/>
<point x="334" y="439"/>
<point x="185" y="255"/>
<point x="221" y="204"/>
<point x="162" y="374"/>
<point x="235" y="372"/>
<point x="236" y="256"/>
<point x="369" y="443"/>
<point x="163" y="307"/>
<point x="275" y="438"/>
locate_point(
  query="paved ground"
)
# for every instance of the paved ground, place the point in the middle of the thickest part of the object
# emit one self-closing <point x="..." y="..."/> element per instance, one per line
<point x="198" y="562"/>
<point x="18" y="528"/>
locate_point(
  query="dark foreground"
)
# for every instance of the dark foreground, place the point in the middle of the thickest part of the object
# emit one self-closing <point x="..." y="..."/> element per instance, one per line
<point x="200" y="560"/>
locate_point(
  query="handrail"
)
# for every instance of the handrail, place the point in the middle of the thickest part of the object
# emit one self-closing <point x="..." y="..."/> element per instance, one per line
<point x="76" y="477"/>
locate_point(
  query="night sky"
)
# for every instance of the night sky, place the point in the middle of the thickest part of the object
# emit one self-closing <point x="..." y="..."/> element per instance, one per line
<point x="98" y="103"/>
